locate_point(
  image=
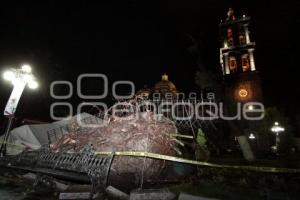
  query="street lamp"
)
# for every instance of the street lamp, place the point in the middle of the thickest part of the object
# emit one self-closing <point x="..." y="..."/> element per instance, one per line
<point x="19" y="78"/>
<point x="251" y="136"/>
<point x="277" y="129"/>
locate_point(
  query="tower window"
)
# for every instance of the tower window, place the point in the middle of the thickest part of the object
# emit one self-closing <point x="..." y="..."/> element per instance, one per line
<point x="232" y="64"/>
<point x="229" y="37"/>
<point x="242" y="34"/>
<point x="245" y="62"/>
<point x="242" y="38"/>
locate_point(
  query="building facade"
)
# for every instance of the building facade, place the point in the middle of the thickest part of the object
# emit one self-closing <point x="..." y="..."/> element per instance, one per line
<point x="242" y="80"/>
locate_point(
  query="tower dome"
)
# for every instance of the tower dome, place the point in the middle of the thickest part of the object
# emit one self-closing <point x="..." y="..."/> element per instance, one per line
<point x="143" y="93"/>
<point x="165" y="86"/>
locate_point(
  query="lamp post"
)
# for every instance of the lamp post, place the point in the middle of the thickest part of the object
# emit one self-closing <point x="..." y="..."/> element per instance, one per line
<point x="19" y="78"/>
<point x="254" y="138"/>
<point x="277" y="129"/>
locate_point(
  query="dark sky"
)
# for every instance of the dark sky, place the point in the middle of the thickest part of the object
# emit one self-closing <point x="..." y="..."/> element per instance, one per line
<point x="139" y="40"/>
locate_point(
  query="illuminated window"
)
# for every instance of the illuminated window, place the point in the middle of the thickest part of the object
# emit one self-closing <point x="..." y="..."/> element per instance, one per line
<point x="232" y="64"/>
<point x="245" y="62"/>
<point x="229" y="37"/>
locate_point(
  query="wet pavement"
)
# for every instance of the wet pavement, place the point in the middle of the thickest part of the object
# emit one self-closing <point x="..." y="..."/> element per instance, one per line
<point x="16" y="192"/>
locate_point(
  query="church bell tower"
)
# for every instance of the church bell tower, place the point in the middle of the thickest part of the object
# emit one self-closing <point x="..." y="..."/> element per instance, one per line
<point x="237" y="60"/>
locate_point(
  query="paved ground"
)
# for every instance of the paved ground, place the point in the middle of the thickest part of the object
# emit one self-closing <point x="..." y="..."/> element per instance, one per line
<point x="18" y="192"/>
<point x="6" y="194"/>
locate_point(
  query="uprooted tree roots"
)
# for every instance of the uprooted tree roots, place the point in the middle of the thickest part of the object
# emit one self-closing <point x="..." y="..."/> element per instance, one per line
<point x="145" y="133"/>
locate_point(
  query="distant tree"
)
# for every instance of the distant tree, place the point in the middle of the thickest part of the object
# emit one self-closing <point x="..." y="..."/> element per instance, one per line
<point x="207" y="78"/>
<point x="201" y="138"/>
<point x="202" y="152"/>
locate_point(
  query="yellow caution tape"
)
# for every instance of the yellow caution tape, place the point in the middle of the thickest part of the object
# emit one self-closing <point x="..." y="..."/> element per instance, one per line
<point x="195" y="162"/>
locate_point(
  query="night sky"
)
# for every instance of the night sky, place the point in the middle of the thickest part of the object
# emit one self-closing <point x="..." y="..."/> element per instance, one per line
<point x="140" y="40"/>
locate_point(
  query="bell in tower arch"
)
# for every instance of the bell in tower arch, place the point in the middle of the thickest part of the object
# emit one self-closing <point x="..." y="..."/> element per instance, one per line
<point x="245" y="62"/>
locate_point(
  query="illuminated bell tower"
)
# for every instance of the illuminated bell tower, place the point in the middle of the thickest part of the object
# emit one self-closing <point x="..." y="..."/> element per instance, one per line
<point x="237" y="60"/>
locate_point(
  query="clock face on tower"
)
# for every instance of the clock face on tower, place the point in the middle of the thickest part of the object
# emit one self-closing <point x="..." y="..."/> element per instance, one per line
<point x="243" y="93"/>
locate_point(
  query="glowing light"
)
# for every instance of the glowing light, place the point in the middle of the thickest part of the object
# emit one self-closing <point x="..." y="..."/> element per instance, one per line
<point x="251" y="107"/>
<point x="9" y="75"/>
<point x="225" y="44"/>
<point x="26" y="68"/>
<point x="28" y="77"/>
<point x="33" y="85"/>
<point x="276" y="128"/>
<point x="274" y="148"/>
<point x="251" y="136"/>
<point x="243" y="93"/>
